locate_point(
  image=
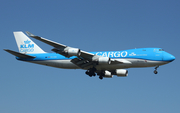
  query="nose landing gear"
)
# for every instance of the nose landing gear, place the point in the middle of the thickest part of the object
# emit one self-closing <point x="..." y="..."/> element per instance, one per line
<point x="155" y="71"/>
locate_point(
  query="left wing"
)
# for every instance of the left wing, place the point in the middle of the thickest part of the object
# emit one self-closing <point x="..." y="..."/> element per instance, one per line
<point x="84" y="59"/>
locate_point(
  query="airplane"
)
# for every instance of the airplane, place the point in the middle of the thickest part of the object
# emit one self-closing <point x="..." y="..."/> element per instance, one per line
<point x="102" y="63"/>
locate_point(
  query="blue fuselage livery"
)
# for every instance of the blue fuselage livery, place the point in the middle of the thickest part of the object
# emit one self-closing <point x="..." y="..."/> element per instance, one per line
<point x="102" y="63"/>
<point x="143" y="57"/>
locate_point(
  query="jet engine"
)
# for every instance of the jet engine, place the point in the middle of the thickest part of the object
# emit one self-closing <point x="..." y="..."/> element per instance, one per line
<point x="121" y="72"/>
<point x="68" y="51"/>
<point x="102" y="60"/>
<point x="73" y="52"/>
<point x="107" y="74"/>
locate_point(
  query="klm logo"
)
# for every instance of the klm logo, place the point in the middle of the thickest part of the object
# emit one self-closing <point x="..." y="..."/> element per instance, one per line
<point x="27" y="47"/>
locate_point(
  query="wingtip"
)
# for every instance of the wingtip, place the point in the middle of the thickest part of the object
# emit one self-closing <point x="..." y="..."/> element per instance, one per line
<point x="29" y="34"/>
<point x="5" y="49"/>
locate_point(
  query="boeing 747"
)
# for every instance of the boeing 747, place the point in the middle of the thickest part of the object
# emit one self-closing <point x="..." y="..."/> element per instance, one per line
<point x="101" y="63"/>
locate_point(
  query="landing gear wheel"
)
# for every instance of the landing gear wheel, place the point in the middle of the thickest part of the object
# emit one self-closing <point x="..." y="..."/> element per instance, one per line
<point x="155" y="71"/>
<point x="87" y="73"/>
<point x="90" y="73"/>
<point x="101" y="77"/>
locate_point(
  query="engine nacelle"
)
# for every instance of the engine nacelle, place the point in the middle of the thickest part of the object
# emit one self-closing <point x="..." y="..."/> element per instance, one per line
<point x="73" y="52"/>
<point x="68" y="51"/>
<point x="102" y="60"/>
<point x="121" y="72"/>
<point x="108" y="74"/>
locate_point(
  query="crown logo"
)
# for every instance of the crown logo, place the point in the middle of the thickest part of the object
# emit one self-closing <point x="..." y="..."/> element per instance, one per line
<point x="27" y="42"/>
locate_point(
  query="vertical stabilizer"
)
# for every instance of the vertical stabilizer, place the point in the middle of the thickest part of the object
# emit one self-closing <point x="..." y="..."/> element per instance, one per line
<point x="25" y="44"/>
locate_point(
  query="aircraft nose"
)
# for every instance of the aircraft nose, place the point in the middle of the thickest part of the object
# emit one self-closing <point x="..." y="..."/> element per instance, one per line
<point x="168" y="57"/>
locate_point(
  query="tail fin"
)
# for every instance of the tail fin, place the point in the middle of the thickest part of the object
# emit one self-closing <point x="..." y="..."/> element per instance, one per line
<point x="25" y="44"/>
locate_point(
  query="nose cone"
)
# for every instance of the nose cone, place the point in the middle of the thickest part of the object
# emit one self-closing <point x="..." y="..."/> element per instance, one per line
<point x="168" y="57"/>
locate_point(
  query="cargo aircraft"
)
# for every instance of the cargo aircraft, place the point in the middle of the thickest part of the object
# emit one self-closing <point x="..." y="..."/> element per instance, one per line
<point x="102" y="63"/>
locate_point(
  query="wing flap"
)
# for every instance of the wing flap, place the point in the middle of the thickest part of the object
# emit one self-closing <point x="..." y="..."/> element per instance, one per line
<point x="82" y="63"/>
<point x="21" y="55"/>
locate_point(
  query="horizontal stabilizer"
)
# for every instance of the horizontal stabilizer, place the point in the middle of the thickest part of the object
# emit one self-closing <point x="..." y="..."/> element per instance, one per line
<point x="21" y="55"/>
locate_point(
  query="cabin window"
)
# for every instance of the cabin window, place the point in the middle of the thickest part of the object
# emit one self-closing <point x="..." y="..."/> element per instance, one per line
<point x="161" y="50"/>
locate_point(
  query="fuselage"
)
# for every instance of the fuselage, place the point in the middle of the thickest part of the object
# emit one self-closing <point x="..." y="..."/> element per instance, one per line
<point x="143" y="57"/>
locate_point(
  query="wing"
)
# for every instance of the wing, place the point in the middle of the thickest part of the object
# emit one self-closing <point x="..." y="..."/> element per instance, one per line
<point x="84" y="59"/>
<point x="64" y="50"/>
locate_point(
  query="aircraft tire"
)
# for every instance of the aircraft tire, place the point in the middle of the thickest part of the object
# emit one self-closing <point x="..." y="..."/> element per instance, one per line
<point x="101" y="77"/>
<point x="155" y="72"/>
<point x="87" y="72"/>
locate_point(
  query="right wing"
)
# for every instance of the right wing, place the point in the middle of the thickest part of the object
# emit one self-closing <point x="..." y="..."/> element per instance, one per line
<point x="62" y="49"/>
<point x="49" y="42"/>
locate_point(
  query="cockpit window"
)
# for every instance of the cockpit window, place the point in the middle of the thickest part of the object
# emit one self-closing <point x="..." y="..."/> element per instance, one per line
<point x="161" y="50"/>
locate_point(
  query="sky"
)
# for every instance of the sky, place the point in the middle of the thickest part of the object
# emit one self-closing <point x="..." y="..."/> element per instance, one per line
<point x="91" y="25"/>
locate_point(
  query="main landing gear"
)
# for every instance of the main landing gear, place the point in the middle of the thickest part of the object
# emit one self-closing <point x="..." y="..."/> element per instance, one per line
<point x="91" y="72"/>
<point x="101" y="76"/>
<point x="155" y="71"/>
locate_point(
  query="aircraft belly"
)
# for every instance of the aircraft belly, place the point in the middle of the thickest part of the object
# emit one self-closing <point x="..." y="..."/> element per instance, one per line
<point x="67" y="64"/>
<point x="111" y="66"/>
<point x="135" y="64"/>
<point x="145" y="63"/>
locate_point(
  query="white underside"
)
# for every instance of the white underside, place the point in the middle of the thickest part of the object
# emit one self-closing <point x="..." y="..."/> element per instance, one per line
<point x="67" y="64"/>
